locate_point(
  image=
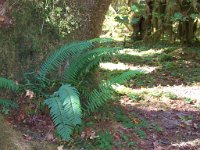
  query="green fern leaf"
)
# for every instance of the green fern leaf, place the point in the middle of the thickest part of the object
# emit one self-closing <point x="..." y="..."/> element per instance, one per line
<point x="65" y="110"/>
<point x="84" y="62"/>
<point x="98" y="97"/>
<point x="62" y="54"/>
<point x="8" y="103"/>
<point x="66" y="52"/>
<point x="8" y="84"/>
<point x="125" y="76"/>
<point x="101" y="40"/>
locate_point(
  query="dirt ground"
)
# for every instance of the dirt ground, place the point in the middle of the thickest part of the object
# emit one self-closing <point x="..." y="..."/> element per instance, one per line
<point x="10" y="139"/>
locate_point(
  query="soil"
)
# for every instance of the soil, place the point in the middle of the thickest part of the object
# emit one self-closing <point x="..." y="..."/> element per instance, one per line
<point x="11" y="139"/>
<point x="179" y="122"/>
<point x="177" y="119"/>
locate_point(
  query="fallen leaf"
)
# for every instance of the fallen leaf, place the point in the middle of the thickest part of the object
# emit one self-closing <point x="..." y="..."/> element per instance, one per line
<point x="83" y="134"/>
<point x="26" y="137"/>
<point x="29" y="94"/>
<point x="49" y="136"/>
<point x="136" y="121"/>
<point x="93" y="135"/>
<point x="188" y="122"/>
<point x="116" y="136"/>
<point x="60" y="147"/>
<point x="182" y="125"/>
<point x="195" y="126"/>
<point x="157" y="146"/>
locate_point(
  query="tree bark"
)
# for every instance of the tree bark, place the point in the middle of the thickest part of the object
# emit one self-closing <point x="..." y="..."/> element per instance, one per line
<point x="91" y="14"/>
<point x="22" y="42"/>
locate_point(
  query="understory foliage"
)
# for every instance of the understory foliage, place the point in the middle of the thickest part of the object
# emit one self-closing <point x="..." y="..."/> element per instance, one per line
<point x="8" y="85"/>
<point x="82" y="57"/>
<point x="160" y="19"/>
<point x="65" y="109"/>
<point x="76" y="61"/>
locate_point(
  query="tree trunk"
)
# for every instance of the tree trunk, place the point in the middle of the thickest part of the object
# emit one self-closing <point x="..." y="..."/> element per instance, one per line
<point x="24" y="46"/>
<point x="91" y="14"/>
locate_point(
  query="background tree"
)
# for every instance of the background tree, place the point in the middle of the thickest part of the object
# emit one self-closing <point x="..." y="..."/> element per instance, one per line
<point x="39" y="27"/>
<point x="158" y="19"/>
<point x="92" y="14"/>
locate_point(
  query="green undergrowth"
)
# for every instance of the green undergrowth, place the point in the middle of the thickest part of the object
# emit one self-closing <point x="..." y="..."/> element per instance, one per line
<point x="133" y="121"/>
<point x="104" y="137"/>
<point x="172" y="63"/>
<point x="27" y="41"/>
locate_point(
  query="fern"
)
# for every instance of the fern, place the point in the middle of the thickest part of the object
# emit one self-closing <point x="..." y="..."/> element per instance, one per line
<point x="84" y="62"/>
<point x="125" y="76"/>
<point x="98" y="97"/>
<point x="8" y="84"/>
<point x="8" y="103"/>
<point x="101" y="40"/>
<point x="65" y="110"/>
<point x="60" y="55"/>
<point x="65" y="53"/>
<point x="64" y="104"/>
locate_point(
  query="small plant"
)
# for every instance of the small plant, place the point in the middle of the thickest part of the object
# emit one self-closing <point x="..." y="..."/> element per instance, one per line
<point x="188" y="100"/>
<point x="135" y="97"/>
<point x="11" y="86"/>
<point x="105" y="141"/>
<point x="140" y="133"/>
<point x="171" y="96"/>
<point x="169" y="65"/>
<point x="166" y="57"/>
<point x="157" y="127"/>
<point x="156" y="94"/>
<point x="126" y="141"/>
<point x="133" y="122"/>
<point x="186" y="118"/>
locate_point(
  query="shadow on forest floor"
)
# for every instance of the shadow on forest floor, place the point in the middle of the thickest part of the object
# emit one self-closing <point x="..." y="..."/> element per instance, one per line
<point x="153" y="111"/>
<point x="159" y="109"/>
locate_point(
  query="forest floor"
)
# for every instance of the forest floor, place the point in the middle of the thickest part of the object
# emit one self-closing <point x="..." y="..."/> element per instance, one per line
<point x="157" y="110"/>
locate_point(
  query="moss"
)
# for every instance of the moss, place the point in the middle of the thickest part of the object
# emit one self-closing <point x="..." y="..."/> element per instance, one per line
<point x="24" y="44"/>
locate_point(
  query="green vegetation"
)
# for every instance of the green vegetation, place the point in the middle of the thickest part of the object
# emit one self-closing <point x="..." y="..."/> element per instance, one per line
<point x="99" y="93"/>
<point x="9" y="85"/>
<point x="64" y="104"/>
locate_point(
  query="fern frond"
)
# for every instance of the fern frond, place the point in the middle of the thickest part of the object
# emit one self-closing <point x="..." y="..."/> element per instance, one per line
<point x="98" y="97"/>
<point x="8" y="103"/>
<point x="65" y="110"/>
<point x="67" y="51"/>
<point x="125" y="76"/>
<point x="101" y="40"/>
<point x="62" y="54"/>
<point x="84" y="62"/>
<point x="8" y="84"/>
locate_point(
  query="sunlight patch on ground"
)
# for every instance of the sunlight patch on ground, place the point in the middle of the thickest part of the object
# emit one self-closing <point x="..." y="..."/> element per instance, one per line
<point x="141" y="53"/>
<point x="193" y="143"/>
<point x="122" y="66"/>
<point x="192" y="92"/>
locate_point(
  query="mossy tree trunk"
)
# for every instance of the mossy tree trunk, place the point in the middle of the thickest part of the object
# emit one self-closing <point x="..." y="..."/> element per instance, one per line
<point x="91" y="14"/>
<point x="23" y="46"/>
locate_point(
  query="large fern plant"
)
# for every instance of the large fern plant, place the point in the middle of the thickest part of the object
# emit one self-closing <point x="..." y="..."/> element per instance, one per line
<point x="66" y="109"/>
<point x="65" y="106"/>
<point x="8" y="85"/>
